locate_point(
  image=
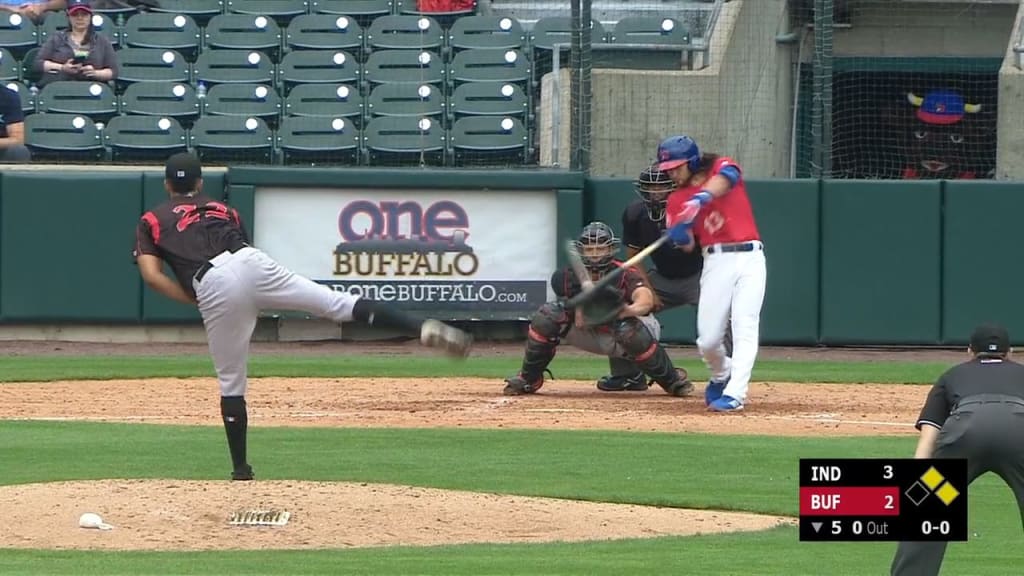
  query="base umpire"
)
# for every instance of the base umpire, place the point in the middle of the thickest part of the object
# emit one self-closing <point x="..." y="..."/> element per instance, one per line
<point x="974" y="411"/>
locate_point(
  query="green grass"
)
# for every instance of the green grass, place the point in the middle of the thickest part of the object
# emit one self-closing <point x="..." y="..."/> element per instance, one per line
<point x="47" y="368"/>
<point x="662" y="469"/>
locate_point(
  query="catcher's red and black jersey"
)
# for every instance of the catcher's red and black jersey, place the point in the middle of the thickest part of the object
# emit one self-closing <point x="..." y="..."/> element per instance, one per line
<point x="186" y="231"/>
<point x="565" y="284"/>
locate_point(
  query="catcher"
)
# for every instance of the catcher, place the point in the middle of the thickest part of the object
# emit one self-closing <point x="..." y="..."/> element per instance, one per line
<point x="617" y="323"/>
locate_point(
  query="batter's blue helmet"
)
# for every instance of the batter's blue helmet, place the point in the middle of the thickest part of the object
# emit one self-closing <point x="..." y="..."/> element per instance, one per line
<point x="675" y="151"/>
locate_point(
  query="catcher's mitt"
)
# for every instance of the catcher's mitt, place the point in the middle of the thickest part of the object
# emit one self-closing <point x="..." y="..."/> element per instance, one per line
<point x="603" y="308"/>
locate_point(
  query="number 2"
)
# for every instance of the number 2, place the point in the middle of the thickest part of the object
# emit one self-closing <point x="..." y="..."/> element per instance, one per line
<point x="887" y="472"/>
<point x="888" y="502"/>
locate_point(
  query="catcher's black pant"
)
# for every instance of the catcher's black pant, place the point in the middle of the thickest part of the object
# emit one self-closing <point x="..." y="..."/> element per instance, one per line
<point x="673" y="293"/>
<point x="987" y="430"/>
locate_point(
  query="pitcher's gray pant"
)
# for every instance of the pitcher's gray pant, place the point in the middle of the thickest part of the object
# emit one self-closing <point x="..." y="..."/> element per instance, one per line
<point x="231" y="296"/>
<point x="987" y="429"/>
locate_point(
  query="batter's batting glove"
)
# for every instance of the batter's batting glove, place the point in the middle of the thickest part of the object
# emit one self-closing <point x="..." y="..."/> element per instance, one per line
<point x="680" y="233"/>
<point x="692" y="206"/>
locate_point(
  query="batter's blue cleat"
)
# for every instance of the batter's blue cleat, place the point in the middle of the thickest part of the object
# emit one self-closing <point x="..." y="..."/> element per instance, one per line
<point x="713" y="391"/>
<point x="726" y="404"/>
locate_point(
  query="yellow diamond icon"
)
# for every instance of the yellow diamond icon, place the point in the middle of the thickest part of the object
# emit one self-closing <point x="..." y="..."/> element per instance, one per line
<point x="932" y="478"/>
<point x="947" y="493"/>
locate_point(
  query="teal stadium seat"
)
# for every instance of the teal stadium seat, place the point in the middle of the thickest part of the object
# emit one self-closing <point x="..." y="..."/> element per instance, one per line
<point x="57" y="21"/>
<point x="319" y="67"/>
<point x="315" y="140"/>
<point x="232" y="139"/>
<point x="63" y="137"/>
<point x="404" y="32"/>
<point x="489" y="140"/>
<point x="403" y="66"/>
<point x="418" y="100"/>
<point x="324" y="32"/>
<point x="151" y="65"/>
<point x="549" y="31"/>
<point x="246" y="100"/>
<point x="177" y="32"/>
<point x="176" y="100"/>
<point x="28" y="103"/>
<point x="93" y="99"/>
<point x="17" y="34"/>
<point x="10" y="68"/>
<point x="243" y="32"/>
<point x="199" y="10"/>
<point x="489" y="99"/>
<point x="326" y="100"/>
<point x="364" y="11"/>
<point x="650" y="30"/>
<point x="490" y="65"/>
<point x="29" y="73"/>
<point x="486" y="32"/>
<point x="404" y="141"/>
<point x="234" y="67"/>
<point x="144" y="138"/>
<point x="282" y="11"/>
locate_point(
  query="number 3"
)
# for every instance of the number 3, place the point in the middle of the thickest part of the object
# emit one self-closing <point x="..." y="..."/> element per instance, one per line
<point x="887" y="472"/>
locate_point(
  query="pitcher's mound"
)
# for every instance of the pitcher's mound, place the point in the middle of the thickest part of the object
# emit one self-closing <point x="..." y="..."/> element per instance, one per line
<point x="193" y="515"/>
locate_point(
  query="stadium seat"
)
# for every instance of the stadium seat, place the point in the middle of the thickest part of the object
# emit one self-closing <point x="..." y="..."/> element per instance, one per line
<point x="363" y="11"/>
<point x="151" y="65"/>
<point x="404" y="140"/>
<point x="232" y="139"/>
<point x="319" y="67"/>
<point x="62" y="137"/>
<point x="199" y="10"/>
<point x="56" y="21"/>
<point x="247" y="100"/>
<point x="29" y="73"/>
<point x="234" y="66"/>
<point x="419" y="100"/>
<point x="17" y="34"/>
<point x="489" y="65"/>
<point x="177" y="32"/>
<point x="330" y="100"/>
<point x="324" y="32"/>
<point x="649" y="30"/>
<point x="282" y="11"/>
<point x="486" y="32"/>
<point x="547" y="32"/>
<point x="243" y="32"/>
<point x="399" y="66"/>
<point x="93" y="99"/>
<point x="318" y="140"/>
<point x="144" y="138"/>
<point x="477" y="140"/>
<point x="173" y="100"/>
<point x="10" y="68"/>
<point x="404" y="33"/>
<point x="489" y="99"/>
<point x="117" y="11"/>
<point x="28" y="103"/>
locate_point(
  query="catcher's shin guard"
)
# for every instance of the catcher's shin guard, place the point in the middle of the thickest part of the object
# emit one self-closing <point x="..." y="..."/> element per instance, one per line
<point x="636" y="340"/>
<point x="547" y="326"/>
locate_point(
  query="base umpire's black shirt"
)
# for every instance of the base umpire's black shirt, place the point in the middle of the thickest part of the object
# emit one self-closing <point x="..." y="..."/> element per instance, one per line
<point x="639" y="231"/>
<point x="187" y="231"/>
<point x="977" y="376"/>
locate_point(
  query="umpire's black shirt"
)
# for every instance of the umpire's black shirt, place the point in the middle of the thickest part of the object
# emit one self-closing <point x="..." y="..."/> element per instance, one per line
<point x="639" y="231"/>
<point x="977" y="376"/>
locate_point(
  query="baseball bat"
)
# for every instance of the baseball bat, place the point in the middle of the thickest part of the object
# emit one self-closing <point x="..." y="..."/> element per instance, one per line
<point x="587" y="294"/>
<point x="578" y="267"/>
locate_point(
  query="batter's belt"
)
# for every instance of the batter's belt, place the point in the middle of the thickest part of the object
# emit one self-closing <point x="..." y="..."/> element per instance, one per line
<point x="210" y="264"/>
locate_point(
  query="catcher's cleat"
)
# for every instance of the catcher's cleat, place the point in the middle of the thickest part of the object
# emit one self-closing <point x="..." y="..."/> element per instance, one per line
<point x="518" y="385"/>
<point x="681" y="387"/>
<point x="243" y="473"/>
<point x="453" y="341"/>
<point x="635" y="383"/>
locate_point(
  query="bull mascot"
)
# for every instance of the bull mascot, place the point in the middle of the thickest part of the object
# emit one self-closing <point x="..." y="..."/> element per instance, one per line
<point x="944" y="140"/>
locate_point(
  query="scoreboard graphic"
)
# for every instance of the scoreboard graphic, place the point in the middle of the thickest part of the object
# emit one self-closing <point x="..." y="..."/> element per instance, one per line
<point x="844" y="500"/>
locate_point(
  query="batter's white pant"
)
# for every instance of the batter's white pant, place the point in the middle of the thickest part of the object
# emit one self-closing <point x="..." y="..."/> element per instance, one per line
<point x="231" y="296"/>
<point x="731" y="283"/>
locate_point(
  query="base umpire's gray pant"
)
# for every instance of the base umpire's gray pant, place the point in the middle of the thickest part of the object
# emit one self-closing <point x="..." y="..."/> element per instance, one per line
<point x="987" y="430"/>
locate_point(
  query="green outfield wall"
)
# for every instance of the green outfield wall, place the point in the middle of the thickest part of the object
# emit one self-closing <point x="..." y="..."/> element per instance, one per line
<point x="849" y="262"/>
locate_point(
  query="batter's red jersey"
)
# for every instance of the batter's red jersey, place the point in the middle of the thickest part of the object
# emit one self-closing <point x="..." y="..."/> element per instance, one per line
<point x="725" y="220"/>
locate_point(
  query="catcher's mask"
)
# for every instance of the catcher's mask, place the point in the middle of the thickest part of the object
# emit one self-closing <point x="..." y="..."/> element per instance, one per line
<point x="597" y="246"/>
<point x="653" y="187"/>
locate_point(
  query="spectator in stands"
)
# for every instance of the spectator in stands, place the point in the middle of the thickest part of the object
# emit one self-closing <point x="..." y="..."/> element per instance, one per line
<point x="78" y="53"/>
<point x="12" y="128"/>
<point x="34" y="10"/>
